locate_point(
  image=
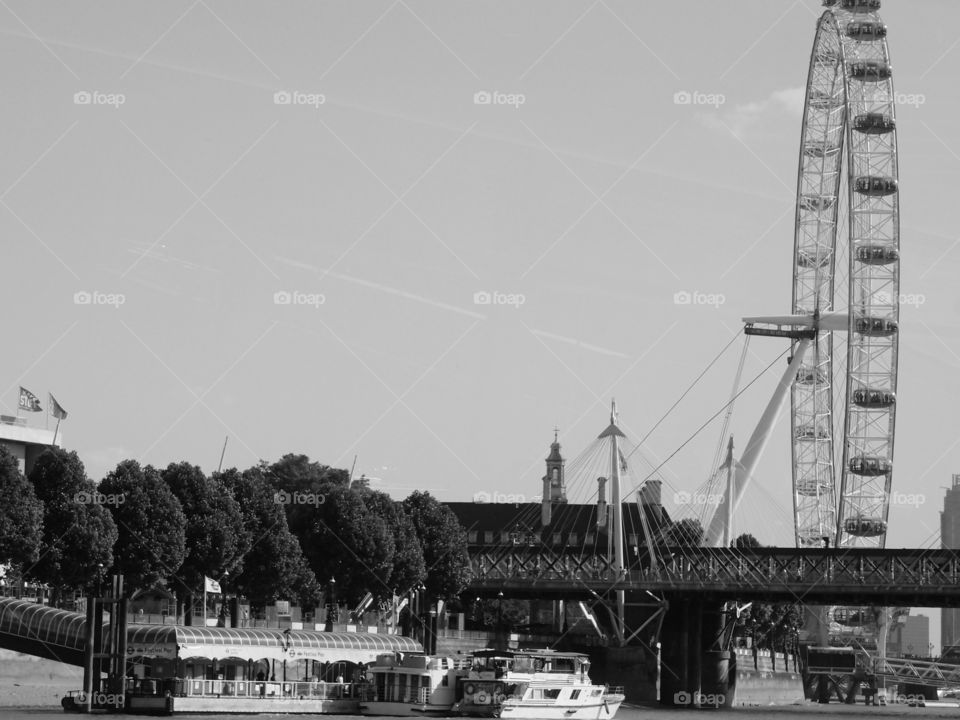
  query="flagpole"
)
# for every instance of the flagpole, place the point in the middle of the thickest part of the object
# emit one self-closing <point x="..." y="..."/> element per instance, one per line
<point x="55" y="431"/>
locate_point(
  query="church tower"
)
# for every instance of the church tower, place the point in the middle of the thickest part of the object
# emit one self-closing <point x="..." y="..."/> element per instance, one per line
<point x="554" y="483"/>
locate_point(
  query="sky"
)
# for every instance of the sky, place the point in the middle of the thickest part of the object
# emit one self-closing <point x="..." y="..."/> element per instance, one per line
<point x="423" y="234"/>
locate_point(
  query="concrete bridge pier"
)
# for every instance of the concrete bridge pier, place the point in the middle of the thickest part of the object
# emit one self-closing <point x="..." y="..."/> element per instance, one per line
<point x="695" y="669"/>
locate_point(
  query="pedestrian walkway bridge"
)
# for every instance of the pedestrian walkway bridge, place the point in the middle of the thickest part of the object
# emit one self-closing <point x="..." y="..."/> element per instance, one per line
<point x="818" y="576"/>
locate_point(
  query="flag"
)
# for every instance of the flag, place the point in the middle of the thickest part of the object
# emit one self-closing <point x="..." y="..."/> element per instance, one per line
<point x="29" y="401"/>
<point x="58" y="412"/>
<point x="210" y="585"/>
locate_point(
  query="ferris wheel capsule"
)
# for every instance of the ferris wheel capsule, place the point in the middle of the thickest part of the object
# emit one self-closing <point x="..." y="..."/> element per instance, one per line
<point x="865" y="30"/>
<point x="858" y="6"/>
<point x="877" y="254"/>
<point x="874" y="123"/>
<point x="870" y="70"/>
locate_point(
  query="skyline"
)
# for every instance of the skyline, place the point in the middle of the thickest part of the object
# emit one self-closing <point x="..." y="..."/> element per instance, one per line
<point x="310" y="276"/>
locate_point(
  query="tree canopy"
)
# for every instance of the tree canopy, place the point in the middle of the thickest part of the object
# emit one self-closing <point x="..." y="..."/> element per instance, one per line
<point x="79" y="533"/>
<point x="21" y="515"/>
<point x="151" y="526"/>
<point x="216" y="537"/>
<point x="444" y="543"/>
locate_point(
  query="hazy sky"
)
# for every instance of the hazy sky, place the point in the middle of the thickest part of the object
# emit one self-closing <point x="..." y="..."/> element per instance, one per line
<point x="149" y="162"/>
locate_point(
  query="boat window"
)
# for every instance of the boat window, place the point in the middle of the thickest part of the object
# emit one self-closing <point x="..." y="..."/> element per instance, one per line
<point x="446" y="681"/>
<point x="574" y="694"/>
<point x="595" y="692"/>
<point x="551" y="693"/>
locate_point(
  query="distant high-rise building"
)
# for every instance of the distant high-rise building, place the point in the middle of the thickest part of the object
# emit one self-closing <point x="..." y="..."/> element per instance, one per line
<point x="950" y="538"/>
<point x="910" y="638"/>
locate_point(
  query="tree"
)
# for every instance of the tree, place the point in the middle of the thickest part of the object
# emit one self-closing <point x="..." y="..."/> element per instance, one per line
<point x="216" y="538"/>
<point x="444" y="543"/>
<point x="745" y="541"/>
<point x="274" y="567"/>
<point x="21" y="515"/>
<point x="687" y="532"/>
<point x="350" y="543"/>
<point x="78" y="531"/>
<point x="150" y="522"/>
<point x="409" y="570"/>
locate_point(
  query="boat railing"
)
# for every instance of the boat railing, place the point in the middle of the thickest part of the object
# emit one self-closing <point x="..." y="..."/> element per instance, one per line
<point x="266" y="689"/>
<point x="614" y="689"/>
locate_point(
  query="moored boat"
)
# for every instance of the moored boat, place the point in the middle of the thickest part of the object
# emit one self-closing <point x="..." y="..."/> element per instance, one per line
<point x="534" y="684"/>
<point x="402" y="684"/>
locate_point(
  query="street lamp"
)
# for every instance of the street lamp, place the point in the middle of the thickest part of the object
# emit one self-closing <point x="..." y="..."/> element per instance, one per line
<point x="500" y="609"/>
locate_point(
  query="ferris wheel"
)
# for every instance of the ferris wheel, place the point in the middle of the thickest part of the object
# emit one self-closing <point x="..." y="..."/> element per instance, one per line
<point x="846" y="276"/>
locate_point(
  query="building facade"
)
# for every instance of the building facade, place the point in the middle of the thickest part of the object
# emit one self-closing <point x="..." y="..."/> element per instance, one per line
<point x="950" y="538"/>
<point x="26" y="443"/>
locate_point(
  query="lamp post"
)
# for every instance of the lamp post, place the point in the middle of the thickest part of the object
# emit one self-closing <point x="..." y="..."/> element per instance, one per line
<point x="500" y="609"/>
<point x="332" y="612"/>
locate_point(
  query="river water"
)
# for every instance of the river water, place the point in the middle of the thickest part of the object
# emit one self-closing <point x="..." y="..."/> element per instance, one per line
<point x="793" y="712"/>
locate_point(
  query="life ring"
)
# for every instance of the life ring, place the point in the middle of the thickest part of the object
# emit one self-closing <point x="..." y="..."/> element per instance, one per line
<point x="481" y="698"/>
<point x="469" y="688"/>
<point x="499" y="698"/>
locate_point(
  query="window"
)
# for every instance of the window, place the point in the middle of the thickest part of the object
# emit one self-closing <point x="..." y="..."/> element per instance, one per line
<point x="551" y="693"/>
<point x="572" y="539"/>
<point x="488" y="537"/>
<point x="632" y="540"/>
<point x="472" y="537"/>
<point x="504" y="537"/>
<point x="589" y="539"/>
<point x="574" y="694"/>
<point x="556" y="539"/>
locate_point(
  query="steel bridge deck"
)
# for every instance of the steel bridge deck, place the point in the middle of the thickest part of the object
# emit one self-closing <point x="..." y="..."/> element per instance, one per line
<point x="868" y="576"/>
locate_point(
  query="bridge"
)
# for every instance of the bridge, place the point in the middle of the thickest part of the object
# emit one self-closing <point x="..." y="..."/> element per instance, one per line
<point x="848" y="576"/>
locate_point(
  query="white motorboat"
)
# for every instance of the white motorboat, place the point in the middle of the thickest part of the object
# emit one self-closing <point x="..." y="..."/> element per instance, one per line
<point x="534" y="684"/>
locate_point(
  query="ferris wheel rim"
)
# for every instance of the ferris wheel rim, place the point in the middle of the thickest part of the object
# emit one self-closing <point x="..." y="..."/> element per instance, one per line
<point x="849" y="51"/>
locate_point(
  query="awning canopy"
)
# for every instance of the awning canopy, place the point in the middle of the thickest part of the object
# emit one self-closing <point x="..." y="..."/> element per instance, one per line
<point x="41" y="624"/>
<point x="168" y="641"/>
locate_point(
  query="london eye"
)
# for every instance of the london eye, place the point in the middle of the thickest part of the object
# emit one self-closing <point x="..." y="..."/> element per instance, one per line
<point x="846" y="267"/>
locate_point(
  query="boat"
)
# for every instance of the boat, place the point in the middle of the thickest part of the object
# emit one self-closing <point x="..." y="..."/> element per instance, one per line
<point x="402" y="684"/>
<point x="534" y="684"/>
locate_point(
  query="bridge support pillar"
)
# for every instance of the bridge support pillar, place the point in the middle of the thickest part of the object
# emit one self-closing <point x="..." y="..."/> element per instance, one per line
<point x="694" y="669"/>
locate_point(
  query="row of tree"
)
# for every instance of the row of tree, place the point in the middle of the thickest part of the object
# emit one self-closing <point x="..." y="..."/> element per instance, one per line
<point x="287" y="530"/>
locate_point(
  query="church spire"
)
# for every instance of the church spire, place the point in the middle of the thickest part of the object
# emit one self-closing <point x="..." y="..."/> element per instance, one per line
<point x="554" y="481"/>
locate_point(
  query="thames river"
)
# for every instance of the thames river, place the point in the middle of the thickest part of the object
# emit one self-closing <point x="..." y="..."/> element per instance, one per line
<point x="630" y="713"/>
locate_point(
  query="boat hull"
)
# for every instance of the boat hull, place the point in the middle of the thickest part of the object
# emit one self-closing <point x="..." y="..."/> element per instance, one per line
<point x="400" y="709"/>
<point x="532" y="710"/>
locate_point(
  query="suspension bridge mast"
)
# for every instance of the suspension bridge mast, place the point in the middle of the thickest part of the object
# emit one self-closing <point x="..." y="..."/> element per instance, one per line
<point x="615" y="539"/>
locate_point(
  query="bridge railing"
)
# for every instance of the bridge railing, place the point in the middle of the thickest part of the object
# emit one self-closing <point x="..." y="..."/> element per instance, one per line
<point x="728" y="568"/>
